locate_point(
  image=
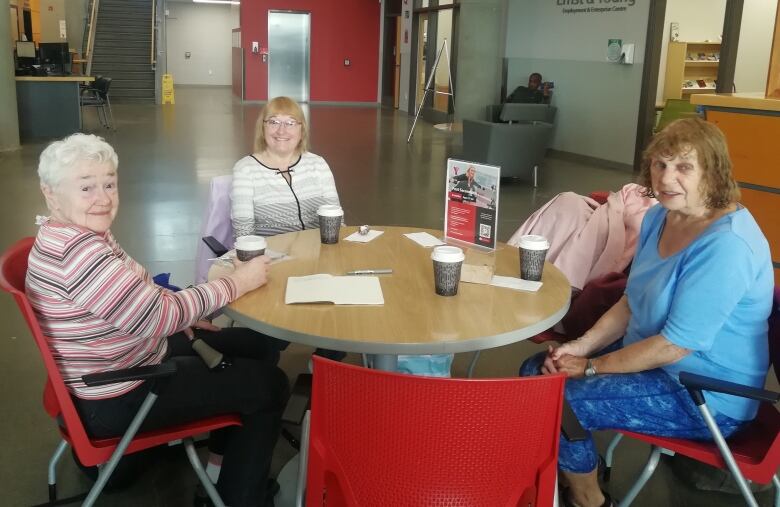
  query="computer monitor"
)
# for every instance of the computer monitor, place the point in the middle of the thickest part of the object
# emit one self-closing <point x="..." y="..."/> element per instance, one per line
<point x="54" y="56"/>
<point x="25" y="49"/>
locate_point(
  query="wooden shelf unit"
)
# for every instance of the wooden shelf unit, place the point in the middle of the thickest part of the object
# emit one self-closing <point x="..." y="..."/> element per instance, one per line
<point x="683" y="64"/>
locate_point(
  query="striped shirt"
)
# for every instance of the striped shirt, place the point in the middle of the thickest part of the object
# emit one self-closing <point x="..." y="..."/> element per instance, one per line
<point x="265" y="204"/>
<point x="101" y="311"/>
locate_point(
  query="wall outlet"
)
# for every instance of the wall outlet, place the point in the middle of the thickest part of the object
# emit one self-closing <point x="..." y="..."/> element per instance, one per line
<point x="255" y="46"/>
<point x="347" y="63"/>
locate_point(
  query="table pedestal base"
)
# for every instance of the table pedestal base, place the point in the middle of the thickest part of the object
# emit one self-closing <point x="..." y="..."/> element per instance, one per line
<point x="385" y="362"/>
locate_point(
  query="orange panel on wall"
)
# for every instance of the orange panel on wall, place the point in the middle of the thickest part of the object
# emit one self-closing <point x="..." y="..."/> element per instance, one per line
<point x="764" y="207"/>
<point x="754" y="145"/>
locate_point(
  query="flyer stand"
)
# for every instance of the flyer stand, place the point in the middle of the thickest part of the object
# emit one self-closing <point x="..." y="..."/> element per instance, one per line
<point x="428" y="87"/>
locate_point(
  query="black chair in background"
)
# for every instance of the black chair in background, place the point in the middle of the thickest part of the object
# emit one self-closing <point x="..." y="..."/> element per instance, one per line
<point x="96" y="95"/>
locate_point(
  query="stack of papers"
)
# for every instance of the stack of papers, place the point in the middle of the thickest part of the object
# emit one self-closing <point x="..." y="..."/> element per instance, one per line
<point x="515" y="283"/>
<point x="339" y="290"/>
<point x="424" y="239"/>
<point x="227" y="259"/>
<point x="360" y="238"/>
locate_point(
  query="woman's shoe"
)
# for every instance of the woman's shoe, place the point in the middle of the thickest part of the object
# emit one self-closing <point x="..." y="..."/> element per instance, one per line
<point x="202" y="499"/>
<point x="567" y="502"/>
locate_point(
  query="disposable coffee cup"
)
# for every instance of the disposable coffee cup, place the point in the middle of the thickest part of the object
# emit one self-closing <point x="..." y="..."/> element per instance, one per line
<point x="331" y="216"/>
<point x="533" y="250"/>
<point x="249" y="247"/>
<point x="447" y="263"/>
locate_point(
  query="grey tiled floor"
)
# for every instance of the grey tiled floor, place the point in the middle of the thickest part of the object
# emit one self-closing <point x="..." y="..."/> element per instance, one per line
<point x="167" y="156"/>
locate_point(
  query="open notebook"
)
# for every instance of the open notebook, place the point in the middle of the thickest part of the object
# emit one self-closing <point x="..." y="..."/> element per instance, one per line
<point x="340" y="290"/>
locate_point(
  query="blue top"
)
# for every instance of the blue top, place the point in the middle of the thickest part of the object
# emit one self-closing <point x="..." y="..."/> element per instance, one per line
<point x="713" y="297"/>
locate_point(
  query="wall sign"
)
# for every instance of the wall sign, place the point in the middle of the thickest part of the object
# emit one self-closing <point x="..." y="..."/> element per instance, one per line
<point x="406" y="28"/>
<point x="594" y="6"/>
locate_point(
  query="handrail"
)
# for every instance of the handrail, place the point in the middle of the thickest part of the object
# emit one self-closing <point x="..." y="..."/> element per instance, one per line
<point x="153" y="60"/>
<point x="91" y="34"/>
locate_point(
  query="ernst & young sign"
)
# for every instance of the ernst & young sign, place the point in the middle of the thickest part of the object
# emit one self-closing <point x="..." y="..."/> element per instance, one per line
<point x="594" y="6"/>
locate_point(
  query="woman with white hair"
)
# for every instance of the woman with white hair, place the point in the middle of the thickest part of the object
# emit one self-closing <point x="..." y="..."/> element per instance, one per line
<point x="101" y="311"/>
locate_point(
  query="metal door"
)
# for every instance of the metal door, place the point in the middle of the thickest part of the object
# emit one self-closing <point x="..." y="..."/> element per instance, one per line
<point x="288" y="48"/>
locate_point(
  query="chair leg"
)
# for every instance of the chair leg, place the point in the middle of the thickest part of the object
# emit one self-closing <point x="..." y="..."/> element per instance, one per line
<point x="300" y="488"/>
<point x="189" y="448"/>
<point x="108" y="467"/>
<point x="536" y="175"/>
<point x="365" y="360"/>
<point x="103" y="116"/>
<point x="647" y="472"/>
<point x="776" y="482"/>
<point x="111" y="124"/>
<point x="473" y="364"/>
<point x="608" y="457"/>
<point x="53" y="469"/>
<point x="725" y="452"/>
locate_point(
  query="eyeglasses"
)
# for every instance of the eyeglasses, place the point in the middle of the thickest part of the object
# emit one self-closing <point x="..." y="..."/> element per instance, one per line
<point x="277" y="124"/>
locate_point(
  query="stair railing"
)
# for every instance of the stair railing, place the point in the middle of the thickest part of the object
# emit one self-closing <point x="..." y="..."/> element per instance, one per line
<point x="152" y="56"/>
<point x="93" y="15"/>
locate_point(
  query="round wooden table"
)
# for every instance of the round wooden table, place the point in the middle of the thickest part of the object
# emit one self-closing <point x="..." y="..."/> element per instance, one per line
<point x="413" y="320"/>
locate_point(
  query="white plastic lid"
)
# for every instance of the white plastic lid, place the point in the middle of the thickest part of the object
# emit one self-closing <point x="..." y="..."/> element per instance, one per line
<point x="250" y="243"/>
<point x="534" y="242"/>
<point x="330" y="210"/>
<point x="447" y="254"/>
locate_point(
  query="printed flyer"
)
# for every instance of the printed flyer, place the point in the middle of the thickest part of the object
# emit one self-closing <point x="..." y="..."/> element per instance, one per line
<point x="471" y="203"/>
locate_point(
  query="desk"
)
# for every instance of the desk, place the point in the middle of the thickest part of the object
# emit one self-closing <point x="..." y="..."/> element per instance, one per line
<point x="49" y="106"/>
<point x="413" y="320"/>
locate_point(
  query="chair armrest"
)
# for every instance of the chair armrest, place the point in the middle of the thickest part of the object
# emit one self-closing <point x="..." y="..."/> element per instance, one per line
<point x="150" y="372"/>
<point x="696" y="383"/>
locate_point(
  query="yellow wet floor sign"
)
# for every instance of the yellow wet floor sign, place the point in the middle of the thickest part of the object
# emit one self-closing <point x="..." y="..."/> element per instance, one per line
<point x="167" y="89"/>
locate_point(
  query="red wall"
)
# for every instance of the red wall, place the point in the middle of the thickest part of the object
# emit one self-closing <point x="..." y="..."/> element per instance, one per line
<point x="339" y="29"/>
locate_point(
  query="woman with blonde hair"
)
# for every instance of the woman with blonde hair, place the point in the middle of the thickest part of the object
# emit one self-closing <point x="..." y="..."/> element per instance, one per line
<point x="279" y="187"/>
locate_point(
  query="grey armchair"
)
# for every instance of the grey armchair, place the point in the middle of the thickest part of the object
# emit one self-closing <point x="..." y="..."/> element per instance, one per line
<point x="515" y="137"/>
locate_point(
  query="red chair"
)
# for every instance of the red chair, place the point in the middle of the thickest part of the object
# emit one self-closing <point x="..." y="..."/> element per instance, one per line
<point x="105" y="453"/>
<point x="752" y="454"/>
<point x="380" y="438"/>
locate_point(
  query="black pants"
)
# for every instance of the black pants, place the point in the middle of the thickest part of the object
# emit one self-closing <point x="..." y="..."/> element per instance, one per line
<point x="253" y="386"/>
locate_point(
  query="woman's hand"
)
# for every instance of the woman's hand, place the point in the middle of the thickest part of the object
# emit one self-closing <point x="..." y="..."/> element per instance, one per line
<point x="251" y="274"/>
<point x="201" y="324"/>
<point x="572" y="366"/>
<point x="554" y="354"/>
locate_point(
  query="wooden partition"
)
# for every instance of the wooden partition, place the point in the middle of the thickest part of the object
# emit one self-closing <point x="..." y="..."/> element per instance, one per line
<point x="773" y="81"/>
<point x="752" y="136"/>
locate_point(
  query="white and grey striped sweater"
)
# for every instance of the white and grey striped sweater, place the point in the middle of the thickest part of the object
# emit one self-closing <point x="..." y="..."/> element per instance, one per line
<point x="263" y="203"/>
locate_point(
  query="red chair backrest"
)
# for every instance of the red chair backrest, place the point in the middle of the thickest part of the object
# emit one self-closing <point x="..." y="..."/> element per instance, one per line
<point x="380" y="439"/>
<point x="13" y="270"/>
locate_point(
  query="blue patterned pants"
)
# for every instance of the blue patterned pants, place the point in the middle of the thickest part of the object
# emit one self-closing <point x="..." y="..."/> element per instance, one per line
<point x="650" y="402"/>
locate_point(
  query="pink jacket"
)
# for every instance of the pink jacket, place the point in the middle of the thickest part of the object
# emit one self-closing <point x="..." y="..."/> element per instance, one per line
<point x="588" y="240"/>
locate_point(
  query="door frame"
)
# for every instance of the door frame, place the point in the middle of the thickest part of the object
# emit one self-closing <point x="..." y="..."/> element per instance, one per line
<point x="428" y="112"/>
<point x="732" y="22"/>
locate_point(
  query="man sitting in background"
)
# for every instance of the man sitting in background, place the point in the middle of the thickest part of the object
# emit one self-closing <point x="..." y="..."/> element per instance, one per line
<point x="535" y="93"/>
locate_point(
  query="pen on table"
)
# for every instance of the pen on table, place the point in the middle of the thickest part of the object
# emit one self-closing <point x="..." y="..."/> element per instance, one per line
<point x="371" y="272"/>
